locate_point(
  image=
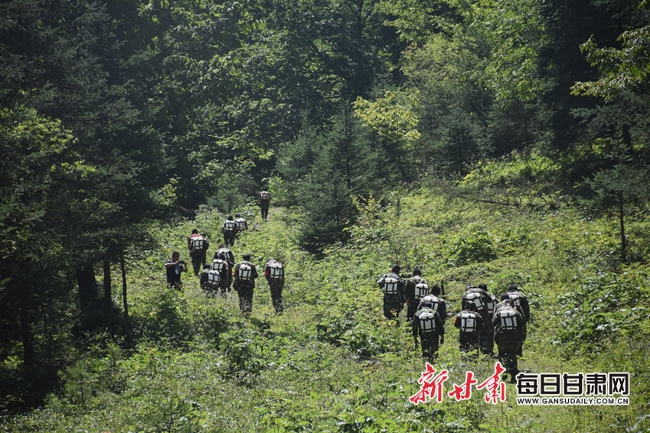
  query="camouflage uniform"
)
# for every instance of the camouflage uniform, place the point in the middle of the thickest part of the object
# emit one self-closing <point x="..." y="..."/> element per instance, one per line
<point x="409" y="294"/>
<point x="508" y="340"/>
<point x="393" y="303"/>
<point x="488" y="302"/>
<point x="229" y="230"/>
<point x="469" y="340"/>
<point x="520" y="303"/>
<point x="245" y="288"/>
<point x="203" y="281"/>
<point x="230" y="259"/>
<point x="441" y="307"/>
<point x="264" y="203"/>
<point x="428" y="340"/>
<point x="276" y="285"/>
<point x="226" y="276"/>
<point x="197" y="256"/>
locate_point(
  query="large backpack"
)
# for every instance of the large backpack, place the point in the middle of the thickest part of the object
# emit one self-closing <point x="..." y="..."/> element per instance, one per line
<point x="421" y="290"/>
<point x="468" y="322"/>
<point x="508" y="319"/>
<point x="264" y="195"/>
<point x="229" y="226"/>
<point x="230" y="258"/>
<point x="218" y="265"/>
<point x="427" y="321"/>
<point x="245" y="272"/>
<point x="276" y="271"/>
<point x="490" y="305"/>
<point x="241" y="224"/>
<point x="514" y="298"/>
<point x="197" y="243"/>
<point x="475" y="298"/>
<point x="390" y="285"/>
<point x="214" y="278"/>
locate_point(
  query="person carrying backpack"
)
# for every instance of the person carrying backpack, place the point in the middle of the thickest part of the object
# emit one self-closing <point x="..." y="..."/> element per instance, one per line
<point x="520" y="302"/>
<point x="198" y="245"/>
<point x="428" y="325"/>
<point x="229" y="257"/>
<point x="244" y="276"/>
<point x="485" y="303"/>
<point x="436" y="301"/>
<point x="274" y="273"/>
<point x="221" y="265"/>
<point x="470" y="324"/>
<point x="264" y="198"/>
<point x="393" y="287"/>
<point x="241" y="223"/>
<point x="210" y="280"/>
<point x="509" y="334"/>
<point x="229" y="230"/>
<point x="416" y="289"/>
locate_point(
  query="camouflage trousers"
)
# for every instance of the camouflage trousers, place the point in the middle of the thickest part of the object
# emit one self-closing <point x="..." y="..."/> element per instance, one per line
<point x="198" y="258"/>
<point x="468" y="341"/>
<point x="429" y="344"/>
<point x="276" y="286"/>
<point x="264" y="205"/>
<point x="508" y="347"/>
<point x="245" y="293"/>
<point x="486" y="340"/>
<point x="229" y="238"/>
<point x="392" y="306"/>
<point x="411" y="307"/>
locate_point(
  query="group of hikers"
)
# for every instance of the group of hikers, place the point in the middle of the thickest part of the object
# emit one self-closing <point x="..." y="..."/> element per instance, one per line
<point x="483" y="320"/>
<point x="222" y="273"/>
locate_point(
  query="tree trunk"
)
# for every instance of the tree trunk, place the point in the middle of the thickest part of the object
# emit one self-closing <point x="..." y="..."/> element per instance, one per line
<point x="126" y="305"/>
<point x="87" y="293"/>
<point x="108" y="298"/>
<point x="26" y="331"/>
<point x="621" y="215"/>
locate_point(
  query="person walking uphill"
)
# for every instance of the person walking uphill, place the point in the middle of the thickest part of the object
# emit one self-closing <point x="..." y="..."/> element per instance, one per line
<point x="174" y="268"/>
<point x="264" y="198"/>
<point x="429" y="326"/>
<point x="245" y="275"/>
<point x="416" y="289"/>
<point x="198" y="246"/>
<point x="509" y="333"/>
<point x="393" y="287"/>
<point x="274" y="273"/>
<point x="229" y="230"/>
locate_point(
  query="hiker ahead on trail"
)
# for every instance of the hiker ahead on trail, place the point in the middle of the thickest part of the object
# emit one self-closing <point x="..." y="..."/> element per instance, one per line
<point x="224" y="253"/>
<point x="244" y="276"/>
<point x="429" y="326"/>
<point x="221" y="265"/>
<point x="274" y="273"/>
<point x="470" y="324"/>
<point x="229" y="230"/>
<point x="484" y="304"/>
<point x="393" y="287"/>
<point x="241" y="223"/>
<point x="509" y="333"/>
<point x="416" y="289"/>
<point x="264" y="198"/>
<point x="198" y="245"/>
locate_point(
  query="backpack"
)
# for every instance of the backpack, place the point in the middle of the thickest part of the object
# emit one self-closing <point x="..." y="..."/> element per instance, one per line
<point x="245" y="272"/>
<point x="229" y="226"/>
<point x="468" y="322"/>
<point x="390" y="285"/>
<point x="218" y="265"/>
<point x="230" y="258"/>
<point x="421" y="290"/>
<point x="514" y="297"/>
<point x="197" y="243"/>
<point x="489" y="306"/>
<point x="264" y="195"/>
<point x="427" y="321"/>
<point x="214" y="278"/>
<point x="275" y="270"/>
<point x="241" y="223"/>
<point x="508" y="318"/>
<point x="476" y="299"/>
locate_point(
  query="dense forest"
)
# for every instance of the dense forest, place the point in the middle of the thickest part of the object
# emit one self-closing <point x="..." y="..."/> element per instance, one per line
<point x="492" y="141"/>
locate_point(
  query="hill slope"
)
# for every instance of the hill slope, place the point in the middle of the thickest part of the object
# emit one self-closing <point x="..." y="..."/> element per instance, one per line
<point x="331" y="362"/>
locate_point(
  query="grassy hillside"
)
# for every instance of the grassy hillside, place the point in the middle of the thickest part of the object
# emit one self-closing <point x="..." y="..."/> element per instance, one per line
<point x="331" y="362"/>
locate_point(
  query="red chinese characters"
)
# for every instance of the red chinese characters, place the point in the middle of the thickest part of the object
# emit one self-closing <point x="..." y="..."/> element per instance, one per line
<point x="431" y="385"/>
<point x="496" y="390"/>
